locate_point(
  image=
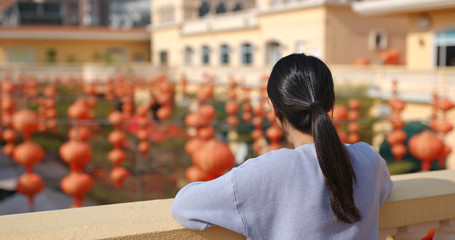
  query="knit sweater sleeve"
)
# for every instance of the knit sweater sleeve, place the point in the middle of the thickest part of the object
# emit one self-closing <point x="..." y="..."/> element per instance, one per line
<point x="200" y="205"/>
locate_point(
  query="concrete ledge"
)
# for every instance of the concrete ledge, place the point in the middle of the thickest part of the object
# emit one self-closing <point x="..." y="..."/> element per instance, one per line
<point x="419" y="198"/>
<point x="416" y="198"/>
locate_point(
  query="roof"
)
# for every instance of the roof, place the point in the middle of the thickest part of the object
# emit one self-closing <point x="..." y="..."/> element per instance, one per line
<point x="390" y="7"/>
<point x="6" y="3"/>
<point x="74" y="33"/>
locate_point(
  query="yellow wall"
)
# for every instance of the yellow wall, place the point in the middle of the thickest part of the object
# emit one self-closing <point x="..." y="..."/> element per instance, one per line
<point x="82" y="50"/>
<point x="348" y="32"/>
<point x="421" y="53"/>
<point x="166" y="39"/>
<point x="214" y="40"/>
<point x="288" y="27"/>
<point x="333" y="33"/>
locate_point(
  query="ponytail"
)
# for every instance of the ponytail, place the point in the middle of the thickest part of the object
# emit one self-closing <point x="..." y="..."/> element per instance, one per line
<point x="301" y="89"/>
<point x="335" y="165"/>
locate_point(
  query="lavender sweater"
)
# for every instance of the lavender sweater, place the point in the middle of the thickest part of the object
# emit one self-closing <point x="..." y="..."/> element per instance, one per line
<point x="282" y="195"/>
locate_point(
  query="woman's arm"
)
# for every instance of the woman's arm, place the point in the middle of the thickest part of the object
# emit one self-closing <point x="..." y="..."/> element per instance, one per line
<point x="200" y="205"/>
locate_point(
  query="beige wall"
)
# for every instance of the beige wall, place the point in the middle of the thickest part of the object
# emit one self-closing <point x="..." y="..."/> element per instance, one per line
<point x="333" y="33"/>
<point x="214" y="40"/>
<point x="82" y="50"/>
<point x="348" y="33"/>
<point x="421" y="53"/>
<point x="166" y="39"/>
<point x="289" y="27"/>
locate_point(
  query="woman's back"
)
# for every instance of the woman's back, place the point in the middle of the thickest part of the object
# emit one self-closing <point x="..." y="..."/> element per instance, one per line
<point x="283" y="195"/>
<point x="322" y="189"/>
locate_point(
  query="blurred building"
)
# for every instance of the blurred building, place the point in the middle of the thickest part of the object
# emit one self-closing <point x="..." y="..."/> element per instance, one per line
<point x="36" y="31"/>
<point x="430" y="38"/>
<point x="233" y="33"/>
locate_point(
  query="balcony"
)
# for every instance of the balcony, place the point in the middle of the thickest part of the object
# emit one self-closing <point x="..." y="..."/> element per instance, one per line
<point x="418" y="202"/>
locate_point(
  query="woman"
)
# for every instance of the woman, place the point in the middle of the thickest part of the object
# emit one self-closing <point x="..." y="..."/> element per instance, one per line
<point x="321" y="189"/>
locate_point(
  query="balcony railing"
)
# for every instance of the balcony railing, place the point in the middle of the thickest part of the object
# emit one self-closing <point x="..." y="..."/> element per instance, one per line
<point x="418" y="202"/>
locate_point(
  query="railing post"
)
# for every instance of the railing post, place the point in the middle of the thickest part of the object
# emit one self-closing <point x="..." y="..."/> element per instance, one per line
<point x="446" y="230"/>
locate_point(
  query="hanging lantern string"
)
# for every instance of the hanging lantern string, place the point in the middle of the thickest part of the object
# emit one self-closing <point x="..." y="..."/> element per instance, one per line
<point x="105" y="122"/>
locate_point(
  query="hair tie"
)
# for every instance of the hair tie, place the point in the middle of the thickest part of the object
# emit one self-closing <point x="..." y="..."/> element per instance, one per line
<point x="313" y="104"/>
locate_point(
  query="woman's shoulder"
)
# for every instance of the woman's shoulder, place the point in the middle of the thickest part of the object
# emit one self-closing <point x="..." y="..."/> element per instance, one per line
<point x="270" y="157"/>
<point x="363" y="148"/>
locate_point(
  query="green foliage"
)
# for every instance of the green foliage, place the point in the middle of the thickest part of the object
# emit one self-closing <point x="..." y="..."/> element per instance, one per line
<point x="345" y="93"/>
<point x="51" y="55"/>
<point x="411" y="129"/>
<point x="71" y="58"/>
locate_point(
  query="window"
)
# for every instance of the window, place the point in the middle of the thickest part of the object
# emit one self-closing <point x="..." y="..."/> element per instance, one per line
<point x="189" y="53"/>
<point x="20" y="54"/>
<point x="377" y="40"/>
<point x="445" y="48"/>
<point x="115" y="55"/>
<point x="300" y="46"/>
<point x="224" y="54"/>
<point x="205" y="55"/>
<point x="163" y="57"/>
<point x="221" y="8"/>
<point x="274" y="2"/>
<point x="273" y="52"/>
<point x="138" y="57"/>
<point x="237" y="7"/>
<point x="204" y="9"/>
<point x="246" y="54"/>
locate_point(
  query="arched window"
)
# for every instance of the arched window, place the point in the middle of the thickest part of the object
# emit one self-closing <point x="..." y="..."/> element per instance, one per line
<point x="273" y="52"/>
<point x="224" y="54"/>
<point x="189" y="53"/>
<point x="221" y="8"/>
<point x="246" y="53"/>
<point x="204" y="9"/>
<point x="205" y="54"/>
<point x="237" y="7"/>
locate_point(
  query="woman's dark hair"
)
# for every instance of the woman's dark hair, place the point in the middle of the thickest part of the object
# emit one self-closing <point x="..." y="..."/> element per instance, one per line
<point x="300" y="88"/>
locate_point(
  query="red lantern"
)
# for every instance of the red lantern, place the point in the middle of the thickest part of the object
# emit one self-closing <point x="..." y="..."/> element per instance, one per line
<point x="214" y="158"/>
<point x="76" y="152"/>
<point x="194" y="174"/>
<point x="25" y="121"/>
<point x="28" y="154"/>
<point x="426" y="146"/>
<point x="274" y="133"/>
<point x="117" y="138"/>
<point x="164" y="112"/>
<point x="193" y="145"/>
<point x="143" y="147"/>
<point x="115" y="118"/>
<point x="207" y="111"/>
<point x="396" y="104"/>
<point x="339" y="113"/>
<point x="231" y="108"/>
<point x="77" y="184"/>
<point x="398" y="151"/>
<point x="232" y="121"/>
<point x="206" y="133"/>
<point x="397" y="136"/>
<point x="81" y="133"/>
<point x="78" y="110"/>
<point x="256" y="134"/>
<point x="29" y="184"/>
<point x="118" y="176"/>
<point x="116" y="156"/>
